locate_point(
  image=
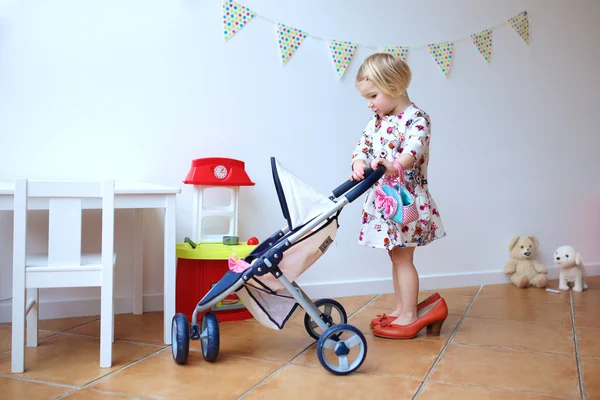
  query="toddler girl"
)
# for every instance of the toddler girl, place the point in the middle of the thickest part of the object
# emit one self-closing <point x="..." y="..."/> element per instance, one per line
<point x="397" y="137"/>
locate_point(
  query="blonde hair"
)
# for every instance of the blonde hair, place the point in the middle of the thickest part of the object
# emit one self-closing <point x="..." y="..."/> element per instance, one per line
<point x="390" y="74"/>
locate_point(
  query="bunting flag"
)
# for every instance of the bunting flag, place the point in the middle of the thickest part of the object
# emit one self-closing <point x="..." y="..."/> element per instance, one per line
<point x="342" y="53"/>
<point x="442" y="54"/>
<point x="520" y="23"/>
<point x="397" y="51"/>
<point x="235" y="16"/>
<point x="483" y="41"/>
<point x="289" y="41"/>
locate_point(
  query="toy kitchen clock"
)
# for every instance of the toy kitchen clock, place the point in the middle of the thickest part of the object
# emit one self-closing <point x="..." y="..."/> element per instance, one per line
<point x="226" y="173"/>
<point x="221" y="171"/>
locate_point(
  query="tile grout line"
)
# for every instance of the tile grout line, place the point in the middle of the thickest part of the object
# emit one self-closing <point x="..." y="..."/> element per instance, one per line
<point x="162" y="346"/>
<point x="439" y="357"/>
<point x="54" y="334"/>
<point x="487" y="346"/>
<point x="298" y="355"/>
<point x="88" y="385"/>
<point x="22" y="378"/>
<point x="119" y="394"/>
<point x="365" y="306"/>
<point x="576" y="342"/>
<point x="275" y="372"/>
<point x="495" y="389"/>
<point x="102" y="392"/>
<point x="74" y="327"/>
<point x="123" y="367"/>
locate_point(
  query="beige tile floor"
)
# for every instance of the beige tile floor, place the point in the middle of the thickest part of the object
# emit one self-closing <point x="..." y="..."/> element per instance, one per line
<point x="499" y="342"/>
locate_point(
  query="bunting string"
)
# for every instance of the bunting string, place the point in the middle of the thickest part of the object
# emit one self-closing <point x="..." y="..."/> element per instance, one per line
<point x="236" y="16"/>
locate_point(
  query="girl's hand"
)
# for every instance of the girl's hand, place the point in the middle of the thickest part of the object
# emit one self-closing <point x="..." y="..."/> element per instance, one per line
<point x="390" y="169"/>
<point x="358" y="170"/>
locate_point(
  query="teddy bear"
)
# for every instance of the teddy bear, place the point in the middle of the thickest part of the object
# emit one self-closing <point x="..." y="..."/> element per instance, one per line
<point x="523" y="269"/>
<point x="571" y="269"/>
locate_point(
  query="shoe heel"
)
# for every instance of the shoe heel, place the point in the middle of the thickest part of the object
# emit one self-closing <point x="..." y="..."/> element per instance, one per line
<point x="435" y="328"/>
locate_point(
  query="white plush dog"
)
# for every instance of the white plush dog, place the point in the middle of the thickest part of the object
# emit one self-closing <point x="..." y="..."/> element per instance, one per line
<point x="571" y="269"/>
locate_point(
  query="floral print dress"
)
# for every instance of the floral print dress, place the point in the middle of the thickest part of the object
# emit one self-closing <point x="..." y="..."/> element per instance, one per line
<point x="388" y="137"/>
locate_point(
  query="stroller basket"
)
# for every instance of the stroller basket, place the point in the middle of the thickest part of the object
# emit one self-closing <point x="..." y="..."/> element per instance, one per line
<point x="267" y="284"/>
<point x="266" y="297"/>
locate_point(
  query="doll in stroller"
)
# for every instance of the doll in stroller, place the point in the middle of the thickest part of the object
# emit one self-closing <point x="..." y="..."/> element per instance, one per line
<point x="265" y="279"/>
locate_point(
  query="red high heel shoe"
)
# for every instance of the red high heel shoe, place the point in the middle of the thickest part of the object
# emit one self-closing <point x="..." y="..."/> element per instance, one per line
<point x="389" y="318"/>
<point x="431" y="316"/>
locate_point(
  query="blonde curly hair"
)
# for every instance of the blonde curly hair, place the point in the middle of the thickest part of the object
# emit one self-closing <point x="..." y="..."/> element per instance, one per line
<point x="390" y="74"/>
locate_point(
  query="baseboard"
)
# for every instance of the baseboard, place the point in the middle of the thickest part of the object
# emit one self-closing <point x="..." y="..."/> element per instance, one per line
<point x="154" y="302"/>
<point x="426" y="282"/>
<point x="84" y="307"/>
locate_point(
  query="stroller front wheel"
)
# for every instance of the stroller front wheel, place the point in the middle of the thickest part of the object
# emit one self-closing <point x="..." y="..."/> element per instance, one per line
<point x="342" y="349"/>
<point x="180" y="338"/>
<point x="209" y="337"/>
<point x="326" y="306"/>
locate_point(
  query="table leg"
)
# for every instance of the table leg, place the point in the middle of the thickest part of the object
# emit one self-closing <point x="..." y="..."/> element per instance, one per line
<point x="138" y="262"/>
<point x="170" y="263"/>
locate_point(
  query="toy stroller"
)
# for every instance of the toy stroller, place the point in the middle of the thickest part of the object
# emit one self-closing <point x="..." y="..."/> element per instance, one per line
<point x="264" y="280"/>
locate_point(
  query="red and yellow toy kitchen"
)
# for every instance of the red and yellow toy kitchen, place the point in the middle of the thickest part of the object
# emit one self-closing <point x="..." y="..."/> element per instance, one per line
<point x="202" y="259"/>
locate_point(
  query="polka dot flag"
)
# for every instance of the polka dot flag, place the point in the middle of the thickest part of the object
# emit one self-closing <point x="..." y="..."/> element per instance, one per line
<point x="483" y="41"/>
<point x="397" y="51"/>
<point x="442" y="54"/>
<point x="289" y="41"/>
<point x="342" y="53"/>
<point x="235" y="17"/>
<point x="520" y="23"/>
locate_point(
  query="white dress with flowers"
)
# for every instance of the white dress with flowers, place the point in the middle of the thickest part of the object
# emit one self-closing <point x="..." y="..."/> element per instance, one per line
<point x="388" y="137"/>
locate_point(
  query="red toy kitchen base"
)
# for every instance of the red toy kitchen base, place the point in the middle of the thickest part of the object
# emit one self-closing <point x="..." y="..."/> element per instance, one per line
<point x="195" y="277"/>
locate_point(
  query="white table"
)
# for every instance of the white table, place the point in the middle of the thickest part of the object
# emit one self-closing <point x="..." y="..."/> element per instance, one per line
<point x="138" y="196"/>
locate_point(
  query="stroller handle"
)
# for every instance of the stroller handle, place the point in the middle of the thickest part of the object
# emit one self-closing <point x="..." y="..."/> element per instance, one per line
<point x="371" y="176"/>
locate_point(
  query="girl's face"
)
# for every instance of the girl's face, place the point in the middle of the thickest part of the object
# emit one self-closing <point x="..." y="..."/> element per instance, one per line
<point x="379" y="102"/>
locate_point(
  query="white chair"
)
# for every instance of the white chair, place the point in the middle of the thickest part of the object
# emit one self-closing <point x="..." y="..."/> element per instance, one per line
<point x="64" y="265"/>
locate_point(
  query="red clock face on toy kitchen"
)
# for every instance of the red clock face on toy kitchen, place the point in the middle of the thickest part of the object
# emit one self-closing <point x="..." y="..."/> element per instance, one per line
<point x="220" y="172"/>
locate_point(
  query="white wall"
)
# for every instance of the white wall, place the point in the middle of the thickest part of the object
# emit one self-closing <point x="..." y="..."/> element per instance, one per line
<point x="135" y="90"/>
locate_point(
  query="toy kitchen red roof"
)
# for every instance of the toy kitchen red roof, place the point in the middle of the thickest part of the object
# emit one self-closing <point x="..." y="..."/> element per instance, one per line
<point x="217" y="171"/>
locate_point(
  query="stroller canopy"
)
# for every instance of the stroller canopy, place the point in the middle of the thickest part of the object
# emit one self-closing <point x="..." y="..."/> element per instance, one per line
<point x="299" y="202"/>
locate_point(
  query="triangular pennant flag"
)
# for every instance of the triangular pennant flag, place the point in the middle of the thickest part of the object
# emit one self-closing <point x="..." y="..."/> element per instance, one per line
<point x="397" y="51"/>
<point x="341" y="52"/>
<point x="520" y="23"/>
<point x="235" y="16"/>
<point x="442" y="54"/>
<point x="289" y="41"/>
<point x="483" y="41"/>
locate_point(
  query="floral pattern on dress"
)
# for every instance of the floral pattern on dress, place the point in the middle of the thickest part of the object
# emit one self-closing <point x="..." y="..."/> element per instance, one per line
<point x="388" y="137"/>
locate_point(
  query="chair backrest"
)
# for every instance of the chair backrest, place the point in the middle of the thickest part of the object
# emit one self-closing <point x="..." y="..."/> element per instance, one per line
<point x="65" y="201"/>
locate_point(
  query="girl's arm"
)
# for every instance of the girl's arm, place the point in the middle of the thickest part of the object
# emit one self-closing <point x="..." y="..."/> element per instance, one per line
<point x="361" y="155"/>
<point x="417" y="141"/>
<point x="405" y="160"/>
<point x="363" y="149"/>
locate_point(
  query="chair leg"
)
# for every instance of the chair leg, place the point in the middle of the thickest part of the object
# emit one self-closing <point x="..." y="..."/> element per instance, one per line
<point x="113" y="311"/>
<point x="33" y="295"/>
<point x="113" y="325"/>
<point x="138" y="263"/>
<point x="106" y="322"/>
<point x="18" y="330"/>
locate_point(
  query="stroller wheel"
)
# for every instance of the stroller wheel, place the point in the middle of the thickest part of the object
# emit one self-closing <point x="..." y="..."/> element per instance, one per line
<point x="327" y="307"/>
<point x="342" y="356"/>
<point x="180" y="338"/>
<point x="209" y="337"/>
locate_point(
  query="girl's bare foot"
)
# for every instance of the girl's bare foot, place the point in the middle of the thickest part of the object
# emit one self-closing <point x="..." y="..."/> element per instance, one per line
<point x="394" y="313"/>
<point x="405" y="319"/>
